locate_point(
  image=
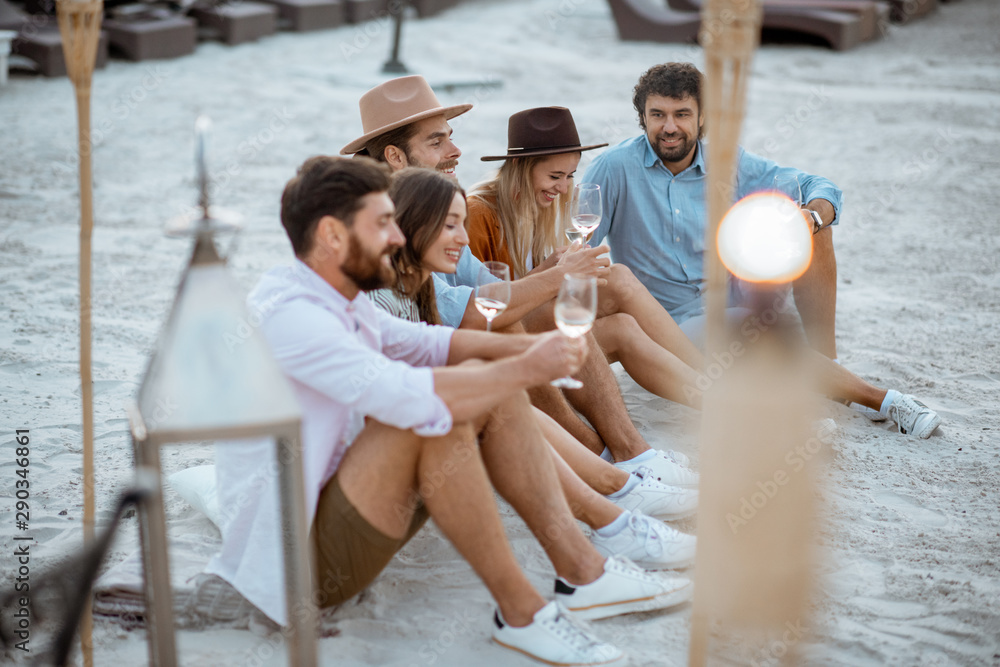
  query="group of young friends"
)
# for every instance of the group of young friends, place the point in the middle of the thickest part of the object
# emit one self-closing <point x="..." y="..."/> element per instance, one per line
<point x="410" y="412"/>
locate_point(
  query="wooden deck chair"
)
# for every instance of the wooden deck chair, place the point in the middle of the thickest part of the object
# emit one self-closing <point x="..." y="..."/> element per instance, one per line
<point x="638" y="21"/>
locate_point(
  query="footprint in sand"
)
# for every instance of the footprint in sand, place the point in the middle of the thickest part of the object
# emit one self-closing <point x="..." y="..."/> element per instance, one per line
<point x="910" y="508"/>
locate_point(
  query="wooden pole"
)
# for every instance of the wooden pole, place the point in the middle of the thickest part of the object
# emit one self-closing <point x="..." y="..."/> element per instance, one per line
<point x="80" y="28"/>
<point x="730" y="32"/>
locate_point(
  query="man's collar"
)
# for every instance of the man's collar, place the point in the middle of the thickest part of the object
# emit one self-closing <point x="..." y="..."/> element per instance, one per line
<point x="650" y="158"/>
<point x="316" y="283"/>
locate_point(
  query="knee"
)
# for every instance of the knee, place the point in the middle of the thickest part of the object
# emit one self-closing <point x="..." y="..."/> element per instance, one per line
<point x="622" y="283"/>
<point x="616" y="330"/>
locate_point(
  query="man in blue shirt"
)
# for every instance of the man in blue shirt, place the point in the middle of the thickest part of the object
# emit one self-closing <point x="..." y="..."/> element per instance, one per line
<point x="653" y="189"/>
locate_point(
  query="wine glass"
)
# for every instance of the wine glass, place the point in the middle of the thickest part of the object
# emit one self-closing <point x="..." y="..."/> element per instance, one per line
<point x="788" y="185"/>
<point x="492" y="290"/>
<point x="574" y="234"/>
<point x="576" y="308"/>
<point x="586" y="209"/>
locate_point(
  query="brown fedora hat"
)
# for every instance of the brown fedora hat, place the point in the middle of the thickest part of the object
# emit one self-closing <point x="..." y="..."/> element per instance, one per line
<point x="542" y="131"/>
<point x="397" y="103"/>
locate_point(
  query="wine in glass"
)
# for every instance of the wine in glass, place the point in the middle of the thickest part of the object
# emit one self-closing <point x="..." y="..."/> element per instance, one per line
<point x="586" y="210"/>
<point x="576" y="308"/>
<point x="788" y="185"/>
<point x="492" y="290"/>
<point x="574" y="234"/>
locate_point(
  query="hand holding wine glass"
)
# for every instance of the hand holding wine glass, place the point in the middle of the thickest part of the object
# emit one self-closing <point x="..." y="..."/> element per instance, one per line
<point x="576" y="308"/>
<point x="586" y="210"/>
<point x="492" y="290"/>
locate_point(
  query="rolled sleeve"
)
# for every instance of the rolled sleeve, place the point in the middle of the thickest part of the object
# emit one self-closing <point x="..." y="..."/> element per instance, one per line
<point x="757" y="173"/>
<point x="452" y="300"/>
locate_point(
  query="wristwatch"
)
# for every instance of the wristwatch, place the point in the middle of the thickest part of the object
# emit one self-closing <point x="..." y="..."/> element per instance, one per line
<point x="817" y="221"/>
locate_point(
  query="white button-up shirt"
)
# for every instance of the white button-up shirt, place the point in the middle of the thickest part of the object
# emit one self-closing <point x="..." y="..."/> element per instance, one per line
<point x="346" y="360"/>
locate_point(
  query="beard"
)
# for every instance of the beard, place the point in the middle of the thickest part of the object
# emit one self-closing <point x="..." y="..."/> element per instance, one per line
<point x="677" y="153"/>
<point x="366" y="269"/>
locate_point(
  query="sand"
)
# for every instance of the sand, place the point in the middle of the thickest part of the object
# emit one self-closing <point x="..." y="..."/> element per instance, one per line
<point x="908" y="126"/>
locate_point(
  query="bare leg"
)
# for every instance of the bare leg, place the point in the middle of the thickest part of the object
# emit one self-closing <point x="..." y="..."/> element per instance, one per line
<point x="597" y="473"/>
<point x="835" y="380"/>
<point x="552" y="402"/>
<point x="625" y="294"/>
<point x="816" y="295"/>
<point x="385" y="467"/>
<point x="652" y="366"/>
<point x="600" y="399"/>
<point x="586" y="504"/>
<point x="520" y="465"/>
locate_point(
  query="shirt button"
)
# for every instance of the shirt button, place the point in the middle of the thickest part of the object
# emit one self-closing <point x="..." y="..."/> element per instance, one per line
<point x="677" y="210"/>
<point x="677" y="239"/>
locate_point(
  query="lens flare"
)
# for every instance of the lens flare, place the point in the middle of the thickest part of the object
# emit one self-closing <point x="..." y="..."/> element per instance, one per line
<point x="764" y="238"/>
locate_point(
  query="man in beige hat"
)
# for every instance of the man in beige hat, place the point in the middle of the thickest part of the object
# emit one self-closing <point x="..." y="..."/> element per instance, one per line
<point x="405" y="125"/>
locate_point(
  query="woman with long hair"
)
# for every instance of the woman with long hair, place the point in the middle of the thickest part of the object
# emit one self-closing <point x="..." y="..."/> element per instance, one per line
<point x="430" y="211"/>
<point x="518" y="217"/>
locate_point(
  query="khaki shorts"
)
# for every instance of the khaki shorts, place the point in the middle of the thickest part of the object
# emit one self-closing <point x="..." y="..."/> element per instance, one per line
<point x="349" y="551"/>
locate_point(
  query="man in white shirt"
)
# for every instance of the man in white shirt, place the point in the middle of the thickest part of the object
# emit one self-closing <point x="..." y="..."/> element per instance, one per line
<point x="403" y="421"/>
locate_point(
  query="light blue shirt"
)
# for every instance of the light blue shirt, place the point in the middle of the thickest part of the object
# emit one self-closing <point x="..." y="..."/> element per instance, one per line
<point x="655" y="221"/>
<point x="453" y="290"/>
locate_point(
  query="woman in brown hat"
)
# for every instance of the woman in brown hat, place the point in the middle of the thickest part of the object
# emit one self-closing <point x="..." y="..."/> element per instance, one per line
<point x="516" y="218"/>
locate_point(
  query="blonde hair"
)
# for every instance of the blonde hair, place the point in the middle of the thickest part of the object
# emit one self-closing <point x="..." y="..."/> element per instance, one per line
<point x="524" y="227"/>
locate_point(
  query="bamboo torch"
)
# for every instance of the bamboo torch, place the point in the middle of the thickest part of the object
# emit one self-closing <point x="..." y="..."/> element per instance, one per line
<point x="758" y="464"/>
<point x="730" y="32"/>
<point x="80" y="27"/>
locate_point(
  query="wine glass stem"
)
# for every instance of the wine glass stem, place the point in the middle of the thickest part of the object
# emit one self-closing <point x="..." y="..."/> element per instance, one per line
<point x="489" y="323"/>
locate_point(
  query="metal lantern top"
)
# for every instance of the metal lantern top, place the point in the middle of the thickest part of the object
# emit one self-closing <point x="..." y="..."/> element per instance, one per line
<point x="211" y="375"/>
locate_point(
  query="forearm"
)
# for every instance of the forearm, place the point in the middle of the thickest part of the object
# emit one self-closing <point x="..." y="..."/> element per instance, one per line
<point x="493" y="382"/>
<point x="825" y="209"/>
<point x="526" y="294"/>
<point x="487" y="346"/>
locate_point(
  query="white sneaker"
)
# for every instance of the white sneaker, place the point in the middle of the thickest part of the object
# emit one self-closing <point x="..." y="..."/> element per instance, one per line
<point x="622" y="589"/>
<point x="555" y="638"/>
<point x="664" y="470"/>
<point x="913" y="417"/>
<point x="658" y="500"/>
<point x="648" y="543"/>
<point x="676" y="457"/>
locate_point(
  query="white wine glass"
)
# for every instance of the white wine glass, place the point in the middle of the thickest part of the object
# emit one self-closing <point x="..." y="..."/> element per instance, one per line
<point x="492" y="290"/>
<point x="586" y="209"/>
<point x="576" y="308"/>
<point x="573" y="234"/>
<point x="788" y="185"/>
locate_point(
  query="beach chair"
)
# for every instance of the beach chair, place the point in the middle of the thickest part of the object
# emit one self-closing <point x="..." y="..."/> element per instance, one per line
<point x="38" y="40"/>
<point x="362" y="11"/>
<point x="143" y="33"/>
<point x="306" y="15"/>
<point x="874" y="14"/>
<point x="236" y="23"/>
<point x="840" y="30"/>
<point x="638" y="21"/>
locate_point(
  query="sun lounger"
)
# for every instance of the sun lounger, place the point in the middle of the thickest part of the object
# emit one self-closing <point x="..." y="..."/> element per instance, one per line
<point x="152" y="36"/>
<point x="305" y="15"/>
<point x="362" y="11"/>
<point x="238" y="22"/>
<point x="905" y="10"/>
<point x="840" y="30"/>
<point x="874" y="14"/>
<point x="38" y="39"/>
<point x="641" y="22"/>
<point x="427" y="8"/>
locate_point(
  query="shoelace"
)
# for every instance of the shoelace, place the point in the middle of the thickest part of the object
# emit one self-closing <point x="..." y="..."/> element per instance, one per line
<point x="571" y="631"/>
<point x="652" y="540"/>
<point x="901" y="410"/>
<point x="624" y="565"/>
<point x="650" y="480"/>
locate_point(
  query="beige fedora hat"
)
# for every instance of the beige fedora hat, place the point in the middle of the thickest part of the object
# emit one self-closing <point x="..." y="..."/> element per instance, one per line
<point x="397" y="103"/>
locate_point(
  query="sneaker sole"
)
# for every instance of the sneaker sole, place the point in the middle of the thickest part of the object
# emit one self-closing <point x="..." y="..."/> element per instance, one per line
<point x="654" y="603"/>
<point x="613" y="661"/>
<point x="676" y="516"/>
